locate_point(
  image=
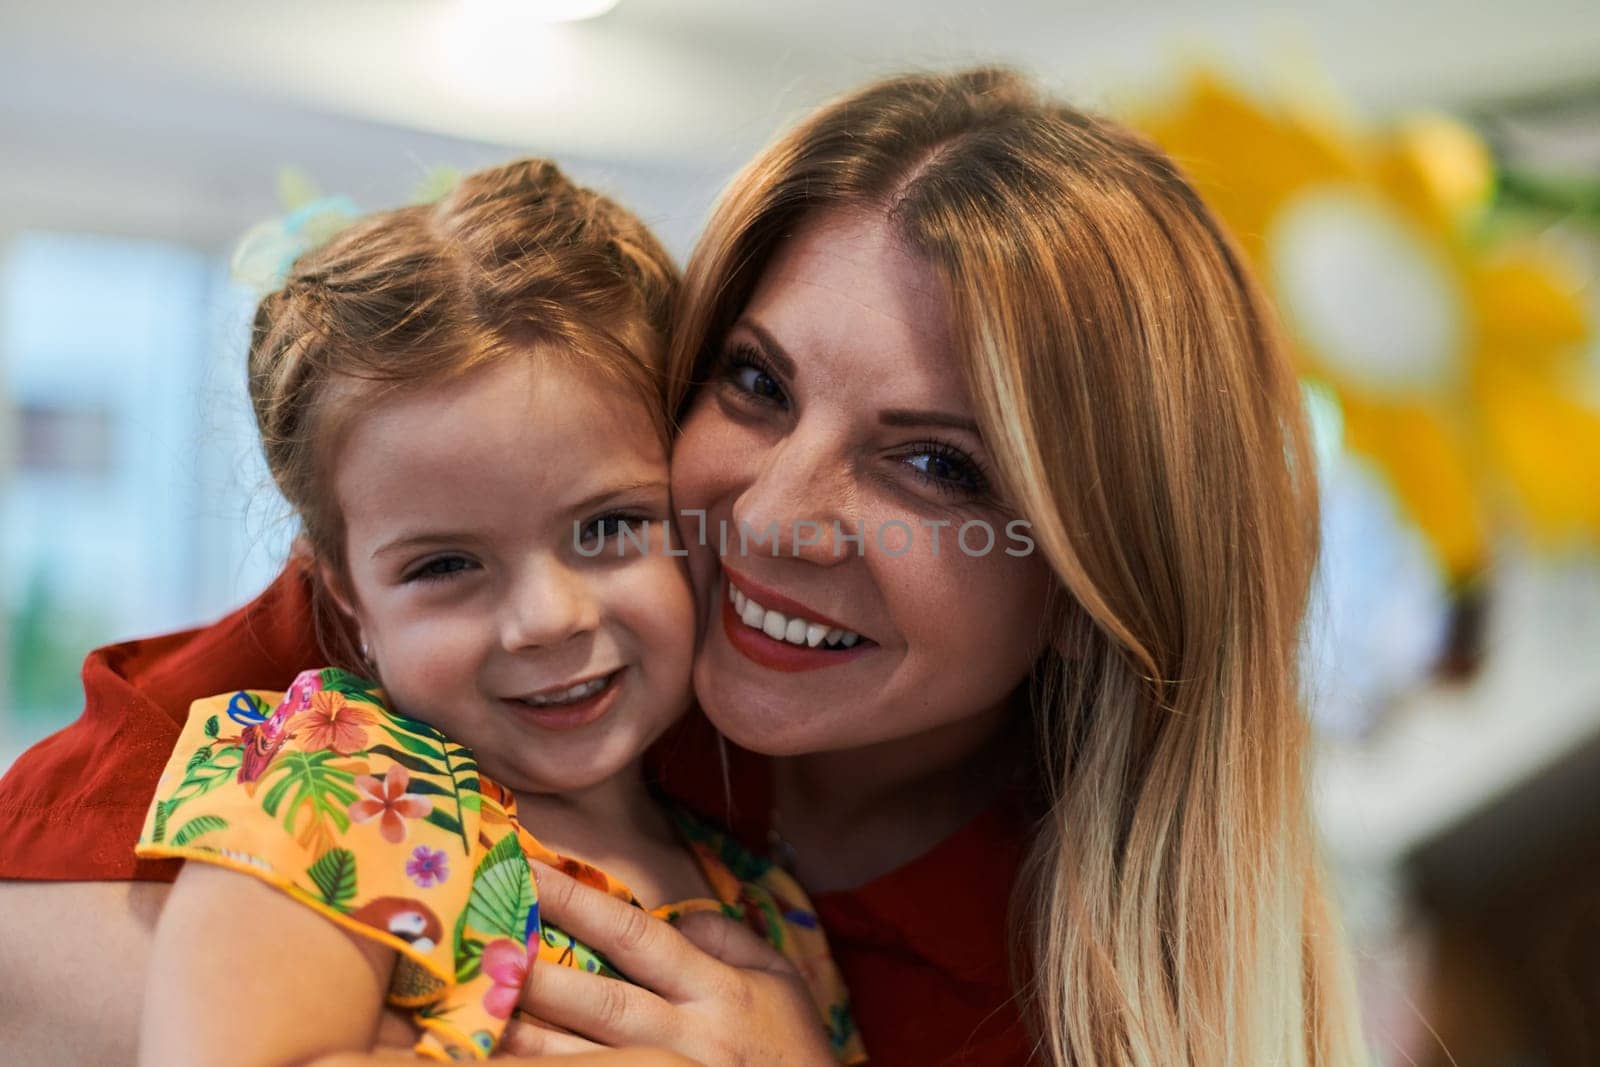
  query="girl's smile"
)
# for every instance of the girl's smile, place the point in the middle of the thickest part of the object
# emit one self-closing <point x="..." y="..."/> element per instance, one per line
<point x="505" y="536"/>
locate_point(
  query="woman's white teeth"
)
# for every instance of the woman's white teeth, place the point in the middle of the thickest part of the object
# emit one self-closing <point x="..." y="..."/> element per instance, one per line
<point x="791" y="628"/>
<point x="580" y="691"/>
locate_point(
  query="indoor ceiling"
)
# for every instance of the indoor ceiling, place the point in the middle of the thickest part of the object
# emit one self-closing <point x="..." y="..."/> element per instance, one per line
<point x="678" y="80"/>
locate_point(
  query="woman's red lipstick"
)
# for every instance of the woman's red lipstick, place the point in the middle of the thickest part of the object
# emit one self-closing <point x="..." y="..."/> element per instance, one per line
<point x="775" y="654"/>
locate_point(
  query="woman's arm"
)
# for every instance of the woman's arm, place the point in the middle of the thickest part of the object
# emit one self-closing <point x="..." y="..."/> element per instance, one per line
<point x="242" y="973"/>
<point x="73" y="962"/>
<point x="72" y="966"/>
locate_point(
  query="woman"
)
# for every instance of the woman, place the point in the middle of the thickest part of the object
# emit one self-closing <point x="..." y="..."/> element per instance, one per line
<point x="983" y="383"/>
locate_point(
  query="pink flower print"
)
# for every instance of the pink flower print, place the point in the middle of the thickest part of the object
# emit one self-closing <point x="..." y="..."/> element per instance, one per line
<point x="389" y="799"/>
<point x="298" y="698"/>
<point x="427" y="866"/>
<point x="506" y="963"/>
<point x="334" y="722"/>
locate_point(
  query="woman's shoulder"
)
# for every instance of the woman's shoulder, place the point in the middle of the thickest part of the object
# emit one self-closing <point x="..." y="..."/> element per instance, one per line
<point x="73" y="804"/>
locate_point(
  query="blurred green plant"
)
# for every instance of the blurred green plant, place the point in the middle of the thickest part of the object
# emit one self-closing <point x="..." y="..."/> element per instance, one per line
<point x="49" y="636"/>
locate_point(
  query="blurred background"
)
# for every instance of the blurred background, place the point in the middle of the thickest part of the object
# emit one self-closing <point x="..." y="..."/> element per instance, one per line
<point x="1418" y="185"/>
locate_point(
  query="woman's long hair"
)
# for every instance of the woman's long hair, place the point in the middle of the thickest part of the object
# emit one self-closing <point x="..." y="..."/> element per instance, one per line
<point x="1129" y="379"/>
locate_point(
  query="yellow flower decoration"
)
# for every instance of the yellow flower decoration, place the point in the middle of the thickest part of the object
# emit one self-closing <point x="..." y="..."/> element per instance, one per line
<point x="1455" y="364"/>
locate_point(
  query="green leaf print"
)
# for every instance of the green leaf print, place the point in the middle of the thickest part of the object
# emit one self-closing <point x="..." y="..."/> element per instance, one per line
<point x="469" y="959"/>
<point x="323" y="791"/>
<point x="200" y="824"/>
<point x="440" y="768"/>
<point x="417" y="765"/>
<point x="468" y="950"/>
<point x="334" y="875"/>
<point x="502" y="892"/>
<point x="208" y="767"/>
<point x="441" y="820"/>
<point x="352" y="686"/>
<point x="213" y="727"/>
<point x="158" y="832"/>
<point x="417" y="746"/>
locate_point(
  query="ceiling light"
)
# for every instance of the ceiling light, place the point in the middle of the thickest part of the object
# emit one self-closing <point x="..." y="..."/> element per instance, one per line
<point x="541" y="10"/>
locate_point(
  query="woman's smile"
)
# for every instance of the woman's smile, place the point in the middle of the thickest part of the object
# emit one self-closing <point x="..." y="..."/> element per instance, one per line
<point x="823" y="416"/>
<point x="785" y="642"/>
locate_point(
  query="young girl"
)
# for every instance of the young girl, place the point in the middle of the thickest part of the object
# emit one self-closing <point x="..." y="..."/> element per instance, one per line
<point x="463" y="403"/>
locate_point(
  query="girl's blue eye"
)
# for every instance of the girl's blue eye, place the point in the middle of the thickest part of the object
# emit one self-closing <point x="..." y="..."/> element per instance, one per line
<point x="440" y="567"/>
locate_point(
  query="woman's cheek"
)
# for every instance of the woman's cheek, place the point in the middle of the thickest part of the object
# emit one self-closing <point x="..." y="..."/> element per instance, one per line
<point x="974" y="618"/>
<point x="710" y="467"/>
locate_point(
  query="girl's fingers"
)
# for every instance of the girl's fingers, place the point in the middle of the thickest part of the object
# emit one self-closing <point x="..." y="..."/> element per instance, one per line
<point x="603" y="1009"/>
<point x="525" y="1036"/>
<point x="646" y="949"/>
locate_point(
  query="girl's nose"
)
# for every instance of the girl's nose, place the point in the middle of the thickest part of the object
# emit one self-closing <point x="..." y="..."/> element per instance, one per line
<point x="550" y="604"/>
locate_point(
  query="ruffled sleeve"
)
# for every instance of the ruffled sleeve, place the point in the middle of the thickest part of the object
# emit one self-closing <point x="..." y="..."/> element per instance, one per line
<point x="376" y="821"/>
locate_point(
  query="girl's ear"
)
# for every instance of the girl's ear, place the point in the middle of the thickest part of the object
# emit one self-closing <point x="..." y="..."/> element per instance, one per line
<point x="338" y="589"/>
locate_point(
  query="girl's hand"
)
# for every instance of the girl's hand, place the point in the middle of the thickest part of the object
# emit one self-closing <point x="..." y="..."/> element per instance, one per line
<point x="708" y="988"/>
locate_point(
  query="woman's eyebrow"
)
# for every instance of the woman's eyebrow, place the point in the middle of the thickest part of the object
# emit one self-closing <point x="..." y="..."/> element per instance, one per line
<point x="908" y="417"/>
<point x="769" y="345"/>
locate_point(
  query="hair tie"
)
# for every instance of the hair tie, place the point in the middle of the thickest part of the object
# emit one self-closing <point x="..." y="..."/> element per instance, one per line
<point x="268" y="250"/>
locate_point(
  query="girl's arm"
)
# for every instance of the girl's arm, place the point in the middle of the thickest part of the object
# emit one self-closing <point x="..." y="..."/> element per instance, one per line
<point x="241" y="973"/>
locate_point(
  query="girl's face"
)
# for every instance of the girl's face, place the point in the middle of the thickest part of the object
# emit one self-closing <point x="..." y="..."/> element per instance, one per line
<point x="493" y="529"/>
<point x="837" y="406"/>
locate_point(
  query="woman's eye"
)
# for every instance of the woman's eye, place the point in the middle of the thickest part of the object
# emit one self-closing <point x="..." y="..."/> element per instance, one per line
<point x="749" y="373"/>
<point x="440" y="567"/>
<point x="758" y="382"/>
<point x="947" y="469"/>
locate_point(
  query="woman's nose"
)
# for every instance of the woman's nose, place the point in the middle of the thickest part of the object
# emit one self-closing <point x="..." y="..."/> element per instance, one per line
<point x="549" y="604"/>
<point x="800" y="504"/>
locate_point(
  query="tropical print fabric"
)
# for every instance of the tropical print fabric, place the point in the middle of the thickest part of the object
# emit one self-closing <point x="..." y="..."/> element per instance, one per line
<point x="383" y="825"/>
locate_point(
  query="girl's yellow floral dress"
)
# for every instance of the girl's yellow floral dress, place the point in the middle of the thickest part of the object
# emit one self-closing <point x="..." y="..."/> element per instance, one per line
<point x="384" y="825"/>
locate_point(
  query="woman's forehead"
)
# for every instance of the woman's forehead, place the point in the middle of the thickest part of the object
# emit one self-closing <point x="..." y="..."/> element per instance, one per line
<point x="843" y="292"/>
<point x="853" y="254"/>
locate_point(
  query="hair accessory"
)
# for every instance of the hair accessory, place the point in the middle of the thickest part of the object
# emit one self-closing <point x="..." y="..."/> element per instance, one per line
<point x="435" y="185"/>
<point x="268" y="249"/>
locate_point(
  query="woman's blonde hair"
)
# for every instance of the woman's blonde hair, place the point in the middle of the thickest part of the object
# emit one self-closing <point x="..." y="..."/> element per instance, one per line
<point x="515" y="259"/>
<point x="1131" y="384"/>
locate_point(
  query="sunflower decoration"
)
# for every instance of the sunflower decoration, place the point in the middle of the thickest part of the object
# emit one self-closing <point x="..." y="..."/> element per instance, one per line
<point x="1456" y="363"/>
